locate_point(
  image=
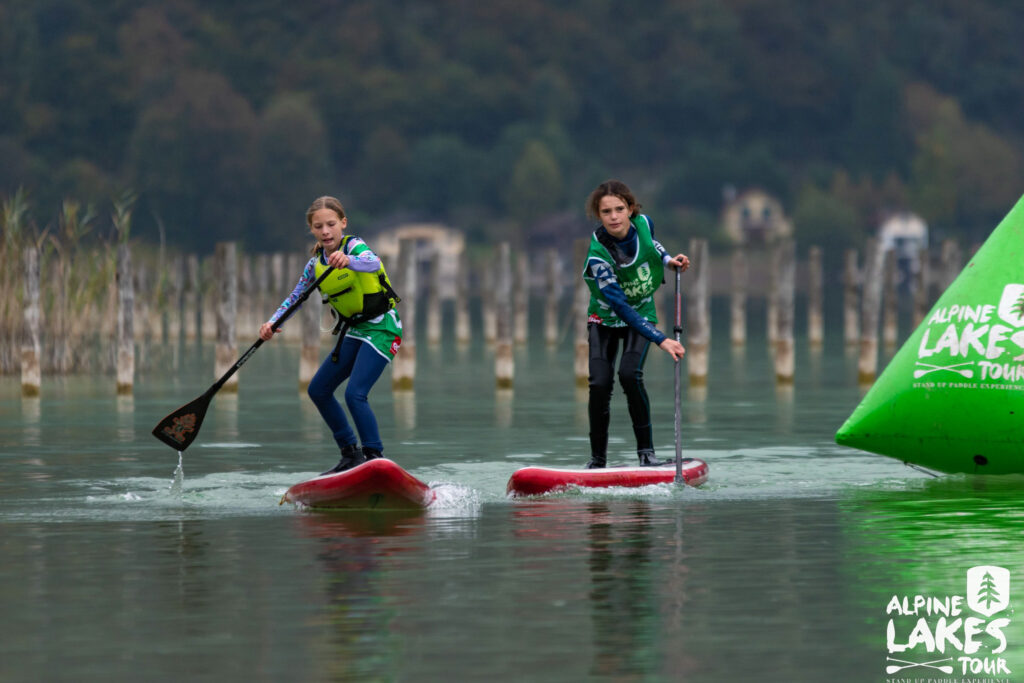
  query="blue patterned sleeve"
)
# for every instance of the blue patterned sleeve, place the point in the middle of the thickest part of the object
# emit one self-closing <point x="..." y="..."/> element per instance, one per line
<point x="610" y="289"/>
<point x="304" y="282"/>
<point x="361" y="257"/>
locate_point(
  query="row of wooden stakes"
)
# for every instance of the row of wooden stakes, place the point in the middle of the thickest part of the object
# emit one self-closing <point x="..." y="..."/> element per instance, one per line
<point x="243" y="291"/>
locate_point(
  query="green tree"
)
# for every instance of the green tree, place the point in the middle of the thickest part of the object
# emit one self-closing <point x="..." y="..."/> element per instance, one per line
<point x="444" y="174"/>
<point x="381" y="178"/>
<point x="822" y="218"/>
<point x="293" y="160"/>
<point x="191" y="158"/>
<point x="535" y="187"/>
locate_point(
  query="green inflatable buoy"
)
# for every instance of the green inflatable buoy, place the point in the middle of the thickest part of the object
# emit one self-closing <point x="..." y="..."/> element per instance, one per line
<point x="952" y="399"/>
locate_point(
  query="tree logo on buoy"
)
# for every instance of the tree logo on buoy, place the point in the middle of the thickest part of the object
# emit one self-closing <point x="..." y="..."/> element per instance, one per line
<point x="1011" y="305"/>
<point x="988" y="589"/>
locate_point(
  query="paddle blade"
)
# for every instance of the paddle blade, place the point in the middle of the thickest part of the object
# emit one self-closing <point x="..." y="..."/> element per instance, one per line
<point x="179" y="429"/>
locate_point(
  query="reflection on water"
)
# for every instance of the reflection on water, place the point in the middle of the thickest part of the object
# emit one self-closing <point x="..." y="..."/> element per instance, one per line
<point x="31" y="412"/>
<point x="225" y="412"/>
<point x="581" y="416"/>
<point x="697" y="407"/>
<point x="125" y="417"/>
<point x="503" y="401"/>
<point x="356" y="640"/>
<point x="624" y="615"/>
<point x="405" y="409"/>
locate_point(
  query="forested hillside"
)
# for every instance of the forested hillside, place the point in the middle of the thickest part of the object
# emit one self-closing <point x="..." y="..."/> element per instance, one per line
<point x="227" y="118"/>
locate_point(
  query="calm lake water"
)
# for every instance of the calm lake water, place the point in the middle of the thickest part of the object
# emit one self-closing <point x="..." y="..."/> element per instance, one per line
<point x="781" y="568"/>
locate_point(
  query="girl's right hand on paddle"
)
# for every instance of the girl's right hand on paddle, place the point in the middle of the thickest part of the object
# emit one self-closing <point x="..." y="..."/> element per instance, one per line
<point x="674" y="348"/>
<point x="338" y="259"/>
<point x="266" y="331"/>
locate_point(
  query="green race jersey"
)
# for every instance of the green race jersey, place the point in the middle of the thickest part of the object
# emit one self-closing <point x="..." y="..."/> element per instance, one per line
<point x="639" y="277"/>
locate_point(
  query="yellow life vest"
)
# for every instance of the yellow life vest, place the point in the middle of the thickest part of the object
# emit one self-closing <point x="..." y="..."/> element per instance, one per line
<point x="357" y="297"/>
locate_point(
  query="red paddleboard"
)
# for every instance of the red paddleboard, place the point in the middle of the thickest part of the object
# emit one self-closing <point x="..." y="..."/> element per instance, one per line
<point x="376" y="484"/>
<point x="530" y="481"/>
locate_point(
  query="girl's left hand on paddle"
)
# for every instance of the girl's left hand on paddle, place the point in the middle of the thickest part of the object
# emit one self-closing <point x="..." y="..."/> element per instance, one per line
<point x="674" y="348"/>
<point x="266" y="331"/>
<point x="680" y="261"/>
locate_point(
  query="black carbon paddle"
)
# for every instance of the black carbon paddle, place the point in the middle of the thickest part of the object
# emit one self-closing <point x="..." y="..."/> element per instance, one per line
<point x="179" y="429"/>
<point x="678" y="330"/>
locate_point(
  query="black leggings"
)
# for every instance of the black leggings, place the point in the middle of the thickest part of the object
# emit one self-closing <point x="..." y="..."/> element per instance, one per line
<point x="604" y="346"/>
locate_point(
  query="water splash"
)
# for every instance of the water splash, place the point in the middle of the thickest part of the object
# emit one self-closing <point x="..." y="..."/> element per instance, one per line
<point x="455" y="500"/>
<point x="179" y="478"/>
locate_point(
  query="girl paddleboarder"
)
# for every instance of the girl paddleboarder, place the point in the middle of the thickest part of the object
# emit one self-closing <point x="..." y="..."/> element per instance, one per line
<point x="370" y="330"/>
<point x="623" y="269"/>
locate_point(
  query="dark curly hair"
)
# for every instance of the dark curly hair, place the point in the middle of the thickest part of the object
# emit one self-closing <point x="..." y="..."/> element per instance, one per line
<point x="616" y="188"/>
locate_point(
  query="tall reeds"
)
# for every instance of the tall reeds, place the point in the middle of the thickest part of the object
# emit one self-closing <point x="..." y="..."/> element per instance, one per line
<point x="14" y="217"/>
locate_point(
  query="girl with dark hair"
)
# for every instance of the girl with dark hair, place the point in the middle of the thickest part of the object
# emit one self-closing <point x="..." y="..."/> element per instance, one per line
<point x="623" y="269"/>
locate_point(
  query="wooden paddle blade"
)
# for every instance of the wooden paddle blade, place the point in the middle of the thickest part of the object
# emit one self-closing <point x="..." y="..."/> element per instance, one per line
<point x="179" y="429"/>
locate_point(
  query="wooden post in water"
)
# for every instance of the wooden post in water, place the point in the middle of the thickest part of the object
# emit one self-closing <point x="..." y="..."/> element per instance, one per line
<point x="487" y="303"/>
<point x="785" y="292"/>
<point x="698" y="319"/>
<point x="815" y="298"/>
<point x="309" y="350"/>
<point x="952" y="258"/>
<point x="210" y="298"/>
<point x="261" y="285"/>
<point x="890" y="310"/>
<point x="580" y="303"/>
<point x="125" y="321"/>
<point x="278" y="285"/>
<point x="521" y="299"/>
<point x="61" y="328"/>
<point x="462" y="327"/>
<point x="149" y="304"/>
<point x="851" y="298"/>
<point x="193" y="297"/>
<point x="226" y="348"/>
<point x="294" y="263"/>
<point x="504" y="360"/>
<point x="142" y="308"/>
<point x="867" y="361"/>
<point x="176" y="315"/>
<point x="403" y="372"/>
<point x="922" y="279"/>
<point x="246" y="293"/>
<point x="434" y="299"/>
<point x="738" y="297"/>
<point x="771" y="307"/>
<point x="31" y="347"/>
<point x="553" y="272"/>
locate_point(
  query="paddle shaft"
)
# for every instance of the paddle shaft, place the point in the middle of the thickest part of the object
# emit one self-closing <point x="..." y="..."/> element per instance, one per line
<point x="678" y="330"/>
<point x="274" y="327"/>
<point x="179" y="429"/>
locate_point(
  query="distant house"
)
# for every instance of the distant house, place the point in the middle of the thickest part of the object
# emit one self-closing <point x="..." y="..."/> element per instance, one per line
<point x="754" y="218"/>
<point x="430" y="239"/>
<point x="905" y="234"/>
